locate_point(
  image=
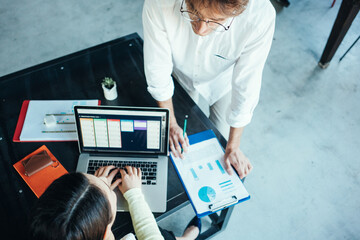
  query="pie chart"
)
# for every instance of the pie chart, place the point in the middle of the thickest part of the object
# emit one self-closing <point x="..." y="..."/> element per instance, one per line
<point x="207" y="194"/>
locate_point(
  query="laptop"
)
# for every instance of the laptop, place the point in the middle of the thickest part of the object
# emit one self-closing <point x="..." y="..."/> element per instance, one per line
<point x="122" y="136"/>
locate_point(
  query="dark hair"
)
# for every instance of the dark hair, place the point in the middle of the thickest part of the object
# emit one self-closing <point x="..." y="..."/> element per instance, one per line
<point x="71" y="208"/>
<point x="229" y="8"/>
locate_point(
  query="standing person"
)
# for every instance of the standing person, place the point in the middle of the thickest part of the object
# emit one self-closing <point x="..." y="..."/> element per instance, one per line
<point x="217" y="50"/>
<point x="83" y="206"/>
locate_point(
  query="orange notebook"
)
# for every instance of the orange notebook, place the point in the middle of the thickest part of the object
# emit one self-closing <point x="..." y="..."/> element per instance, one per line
<point x="41" y="180"/>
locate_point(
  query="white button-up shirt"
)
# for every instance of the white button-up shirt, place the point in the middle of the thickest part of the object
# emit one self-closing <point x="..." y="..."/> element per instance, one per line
<point x="213" y="65"/>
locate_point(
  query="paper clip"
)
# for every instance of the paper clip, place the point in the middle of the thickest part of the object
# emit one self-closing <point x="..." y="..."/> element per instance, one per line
<point x="223" y="204"/>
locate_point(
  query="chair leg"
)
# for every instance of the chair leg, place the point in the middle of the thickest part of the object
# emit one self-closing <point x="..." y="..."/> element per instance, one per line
<point x="349" y="49"/>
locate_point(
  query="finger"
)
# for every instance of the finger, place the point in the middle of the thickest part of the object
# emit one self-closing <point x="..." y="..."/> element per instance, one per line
<point x="177" y="148"/>
<point x="234" y="161"/>
<point x="96" y="172"/>
<point x="183" y="144"/>
<point x="187" y="140"/>
<point x="107" y="170"/>
<point x="240" y="168"/>
<point x="250" y="167"/>
<point x="123" y="173"/>
<point x="115" y="184"/>
<point x="228" y="166"/>
<point x="100" y="171"/>
<point x="240" y="172"/>
<point x="112" y="174"/>
<point x="134" y="170"/>
<point x="139" y="172"/>
<point x="246" y="171"/>
<point x="129" y="170"/>
<point x="173" y="150"/>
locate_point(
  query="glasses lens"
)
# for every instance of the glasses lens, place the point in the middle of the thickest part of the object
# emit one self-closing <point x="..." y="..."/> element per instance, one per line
<point x="216" y="27"/>
<point x="190" y="16"/>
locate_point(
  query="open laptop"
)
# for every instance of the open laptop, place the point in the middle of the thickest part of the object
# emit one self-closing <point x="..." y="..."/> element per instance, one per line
<point x="123" y="136"/>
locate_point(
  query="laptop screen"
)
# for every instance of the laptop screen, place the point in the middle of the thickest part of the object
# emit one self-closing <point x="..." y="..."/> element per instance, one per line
<point x="122" y="129"/>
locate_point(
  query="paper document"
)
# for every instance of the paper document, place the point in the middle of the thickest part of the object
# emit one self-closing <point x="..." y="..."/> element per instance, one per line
<point x="204" y="176"/>
<point x="51" y="120"/>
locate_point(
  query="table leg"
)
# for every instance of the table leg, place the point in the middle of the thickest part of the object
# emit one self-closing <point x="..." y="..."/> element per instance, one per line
<point x="347" y="13"/>
<point x="218" y="223"/>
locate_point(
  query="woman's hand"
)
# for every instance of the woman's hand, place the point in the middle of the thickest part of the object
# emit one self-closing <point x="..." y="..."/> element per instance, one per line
<point x="129" y="180"/>
<point x="107" y="176"/>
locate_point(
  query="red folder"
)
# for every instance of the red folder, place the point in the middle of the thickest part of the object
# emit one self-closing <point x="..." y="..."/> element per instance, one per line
<point x="20" y="124"/>
<point x="41" y="180"/>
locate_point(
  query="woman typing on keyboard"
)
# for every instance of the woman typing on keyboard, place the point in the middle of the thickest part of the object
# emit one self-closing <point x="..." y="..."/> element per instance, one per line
<point x="83" y="206"/>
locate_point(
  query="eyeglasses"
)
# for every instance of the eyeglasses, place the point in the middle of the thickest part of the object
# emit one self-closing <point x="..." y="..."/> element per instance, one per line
<point x="192" y="17"/>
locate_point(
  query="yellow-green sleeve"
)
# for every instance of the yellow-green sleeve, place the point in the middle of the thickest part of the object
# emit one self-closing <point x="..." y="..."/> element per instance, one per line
<point x="143" y="220"/>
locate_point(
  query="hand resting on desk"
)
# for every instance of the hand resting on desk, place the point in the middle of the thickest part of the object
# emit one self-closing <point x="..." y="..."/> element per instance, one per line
<point x="234" y="156"/>
<point x="237" y="159"/>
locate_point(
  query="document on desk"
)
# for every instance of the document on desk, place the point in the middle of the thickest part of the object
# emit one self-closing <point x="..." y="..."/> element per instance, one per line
<point x="202" y="171"/>
<point x="51" y="120"/>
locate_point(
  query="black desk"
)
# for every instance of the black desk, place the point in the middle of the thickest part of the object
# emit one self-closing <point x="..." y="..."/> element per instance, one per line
<point x="78" y="76"/>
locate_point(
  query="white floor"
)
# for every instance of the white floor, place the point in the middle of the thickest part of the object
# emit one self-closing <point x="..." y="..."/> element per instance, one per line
<point x="304" y="138"/>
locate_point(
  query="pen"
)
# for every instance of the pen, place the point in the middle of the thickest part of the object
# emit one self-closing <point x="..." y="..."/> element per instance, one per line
<point x="59" y="114"/>
<point x="185" y="123"/>
<point x="65" y="122"/>
<point x="65" y="131"/>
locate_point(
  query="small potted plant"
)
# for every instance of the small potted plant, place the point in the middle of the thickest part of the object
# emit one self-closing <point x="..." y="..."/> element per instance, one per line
<point x="109" y="87"/>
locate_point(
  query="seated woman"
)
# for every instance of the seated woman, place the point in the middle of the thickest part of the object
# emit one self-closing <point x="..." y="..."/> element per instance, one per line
<point x="83" y="206"/>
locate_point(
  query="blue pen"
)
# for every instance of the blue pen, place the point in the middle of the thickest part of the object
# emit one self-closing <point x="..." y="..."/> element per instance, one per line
<point x="185" y="123"/>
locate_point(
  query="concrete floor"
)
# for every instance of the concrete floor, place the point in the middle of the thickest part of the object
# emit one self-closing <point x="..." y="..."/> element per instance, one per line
<point x="303" y="140"/>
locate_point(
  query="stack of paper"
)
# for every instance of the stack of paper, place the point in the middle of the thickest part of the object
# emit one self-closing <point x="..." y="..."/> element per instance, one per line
<point x="51" y="120"/>
<point x="208" y="185"/>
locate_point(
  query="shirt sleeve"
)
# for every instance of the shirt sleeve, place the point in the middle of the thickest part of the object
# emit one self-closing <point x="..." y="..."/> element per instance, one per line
<point x="128" y="236"/>
<point x="247" y="75"/>
<point x="142" y="218"/>
<point x="157" y="53"/>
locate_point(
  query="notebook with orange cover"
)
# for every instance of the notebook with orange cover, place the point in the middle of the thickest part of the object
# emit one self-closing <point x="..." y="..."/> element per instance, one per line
<point x="41" y="180"/>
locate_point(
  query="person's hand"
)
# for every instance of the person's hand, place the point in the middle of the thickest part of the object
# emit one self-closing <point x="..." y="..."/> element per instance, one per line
<point x="236" y="158"/>
<point x="131" y="179"/>
<point x="177" y="140"/>
<point x="107" y="176"/>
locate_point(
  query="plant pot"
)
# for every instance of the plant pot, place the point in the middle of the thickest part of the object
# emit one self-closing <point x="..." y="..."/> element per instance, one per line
<point x="110" y="94"/>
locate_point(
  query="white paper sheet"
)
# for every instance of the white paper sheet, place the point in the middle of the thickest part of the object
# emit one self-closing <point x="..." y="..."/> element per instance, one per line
<point x="203" y="173"/>
<point x="34" y="128"/>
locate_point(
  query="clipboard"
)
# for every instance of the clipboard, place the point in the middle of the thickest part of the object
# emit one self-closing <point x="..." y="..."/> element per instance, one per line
<point x="41" y="180"/>
<point x="208" y="186"/>
<point x="20" y="124"/>
<point x="21" y="119"/>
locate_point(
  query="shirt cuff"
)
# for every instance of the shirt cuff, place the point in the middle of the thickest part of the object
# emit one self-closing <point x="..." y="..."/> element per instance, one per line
<point x="162" y="93"/>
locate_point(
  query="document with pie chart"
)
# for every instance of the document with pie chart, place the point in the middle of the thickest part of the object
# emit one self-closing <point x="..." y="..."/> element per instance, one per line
<point x="209" y="187"/>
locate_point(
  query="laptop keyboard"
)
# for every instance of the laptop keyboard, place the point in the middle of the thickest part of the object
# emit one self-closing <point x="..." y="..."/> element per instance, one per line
<point x="148" y="169"/>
